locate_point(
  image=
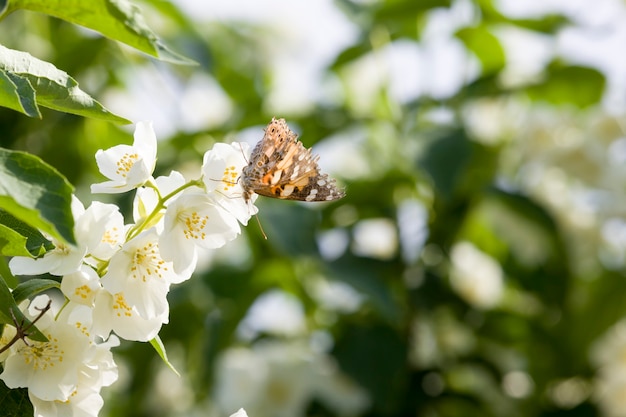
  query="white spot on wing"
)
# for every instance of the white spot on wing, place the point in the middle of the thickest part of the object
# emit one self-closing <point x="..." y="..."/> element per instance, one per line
<point x="312" y="194"/>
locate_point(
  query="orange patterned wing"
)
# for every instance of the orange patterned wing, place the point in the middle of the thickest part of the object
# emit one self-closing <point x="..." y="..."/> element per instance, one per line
<point x="281" y="167"/>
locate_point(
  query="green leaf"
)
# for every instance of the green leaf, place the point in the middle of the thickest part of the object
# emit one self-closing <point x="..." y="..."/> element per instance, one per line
<point x="19" y="239"/>
<point x="446" y="159"/>
<point x="36" y="193"/>
<point x="351" y="54"/>
<point x="9" y="310"/>
<point x="54" y="88"/>
<point x="157" y="344"/>
<point x="407" y="9"/>
<point x="402" y="18"/>
<point x="485" y="46"/>
<point x="33" y="287"/>
<point x="15" y="402"/>
<point x="359" y="350"/>
<point x="580" y="86"/>
<point x="118" y="20"/>
<point x="5" y="273"/>
<point x="548" y="24"/>
<point x="12" y="243"/>
<point x="365" y="275"/>
<point x="18" y="94"/>
<point x="291" y="227"/>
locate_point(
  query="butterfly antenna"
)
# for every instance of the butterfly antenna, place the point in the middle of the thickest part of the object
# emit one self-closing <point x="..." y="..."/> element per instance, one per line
<point x="261" y="227"/>
<point x="243" y="153"/>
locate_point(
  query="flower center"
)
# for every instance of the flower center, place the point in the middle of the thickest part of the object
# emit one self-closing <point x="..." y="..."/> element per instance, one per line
<point x="125" y="163"/>
<point x="111" y="236"/>
<point x="229" y="177"/>
<point x="120" y="307"/>
<point x="147" y="263"/>
<point x="83" y="291"/>
<point x="43" y="355"/>
<point x="194" y="225"/>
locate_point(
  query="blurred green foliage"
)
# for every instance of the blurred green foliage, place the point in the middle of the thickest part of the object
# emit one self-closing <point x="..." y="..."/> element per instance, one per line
<point x="416" y="343"/>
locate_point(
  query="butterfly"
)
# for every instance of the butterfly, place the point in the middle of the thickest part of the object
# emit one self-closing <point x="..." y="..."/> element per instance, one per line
<point x="281" y="167"/>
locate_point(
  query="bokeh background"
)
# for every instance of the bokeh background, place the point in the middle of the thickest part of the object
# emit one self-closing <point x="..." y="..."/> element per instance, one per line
<point x="476" y="265"/>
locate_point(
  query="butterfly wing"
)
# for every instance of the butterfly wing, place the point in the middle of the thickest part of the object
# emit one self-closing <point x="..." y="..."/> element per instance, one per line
<point x="281" y="167"/>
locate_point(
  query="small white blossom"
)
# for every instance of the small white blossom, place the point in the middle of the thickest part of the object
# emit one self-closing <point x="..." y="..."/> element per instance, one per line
<point x="101" y="229"/>
<point x="194" y="221"/>
<point x="140" y="273"/>
<point x="221" y="168"/>
<point x="113" y="313"/>
<point x="84" y="402"/>
<point x="128" y="167"/>
<point x="81" y="286"/>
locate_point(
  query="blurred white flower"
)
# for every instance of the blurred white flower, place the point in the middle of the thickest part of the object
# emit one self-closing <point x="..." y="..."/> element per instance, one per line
<point x="375" y="238"/>
<point x="128" y="167"/>
<point x="475" y="276"/>
<point x="437" y="338"/>
<point x="274" y="312"/>
<point x="286" y="378"/>
<point x="413" y="221"/>
<point x="332" y="243"/>
<point x="608" y="354"/>
<point x="335" y="295"/>
<point x="240" y="413"/>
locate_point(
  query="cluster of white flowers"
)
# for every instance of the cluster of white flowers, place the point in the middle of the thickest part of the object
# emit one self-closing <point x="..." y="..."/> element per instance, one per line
<point x="116" y="278"/>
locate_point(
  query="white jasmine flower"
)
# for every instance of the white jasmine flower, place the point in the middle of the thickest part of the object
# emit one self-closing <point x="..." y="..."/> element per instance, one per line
<point x="113" y="313"/>
<point x="221" y="168"/>
<point x="194" y="221"/>
<point x="140" y="273"/>
<point x="101" y="229"/>
<point x="81" y="286"/>
<point x="84" y="402"/>
<point x="128" y="167"/>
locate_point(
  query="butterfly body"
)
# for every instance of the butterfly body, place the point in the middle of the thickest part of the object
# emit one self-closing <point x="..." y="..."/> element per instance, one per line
<point x="281" y="167"/>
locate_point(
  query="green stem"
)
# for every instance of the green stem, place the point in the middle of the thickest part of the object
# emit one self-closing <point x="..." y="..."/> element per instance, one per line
<point x="138" y="228"/>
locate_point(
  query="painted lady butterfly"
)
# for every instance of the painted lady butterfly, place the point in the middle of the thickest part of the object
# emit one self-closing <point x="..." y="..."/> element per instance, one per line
<point x="281" y="167"/>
